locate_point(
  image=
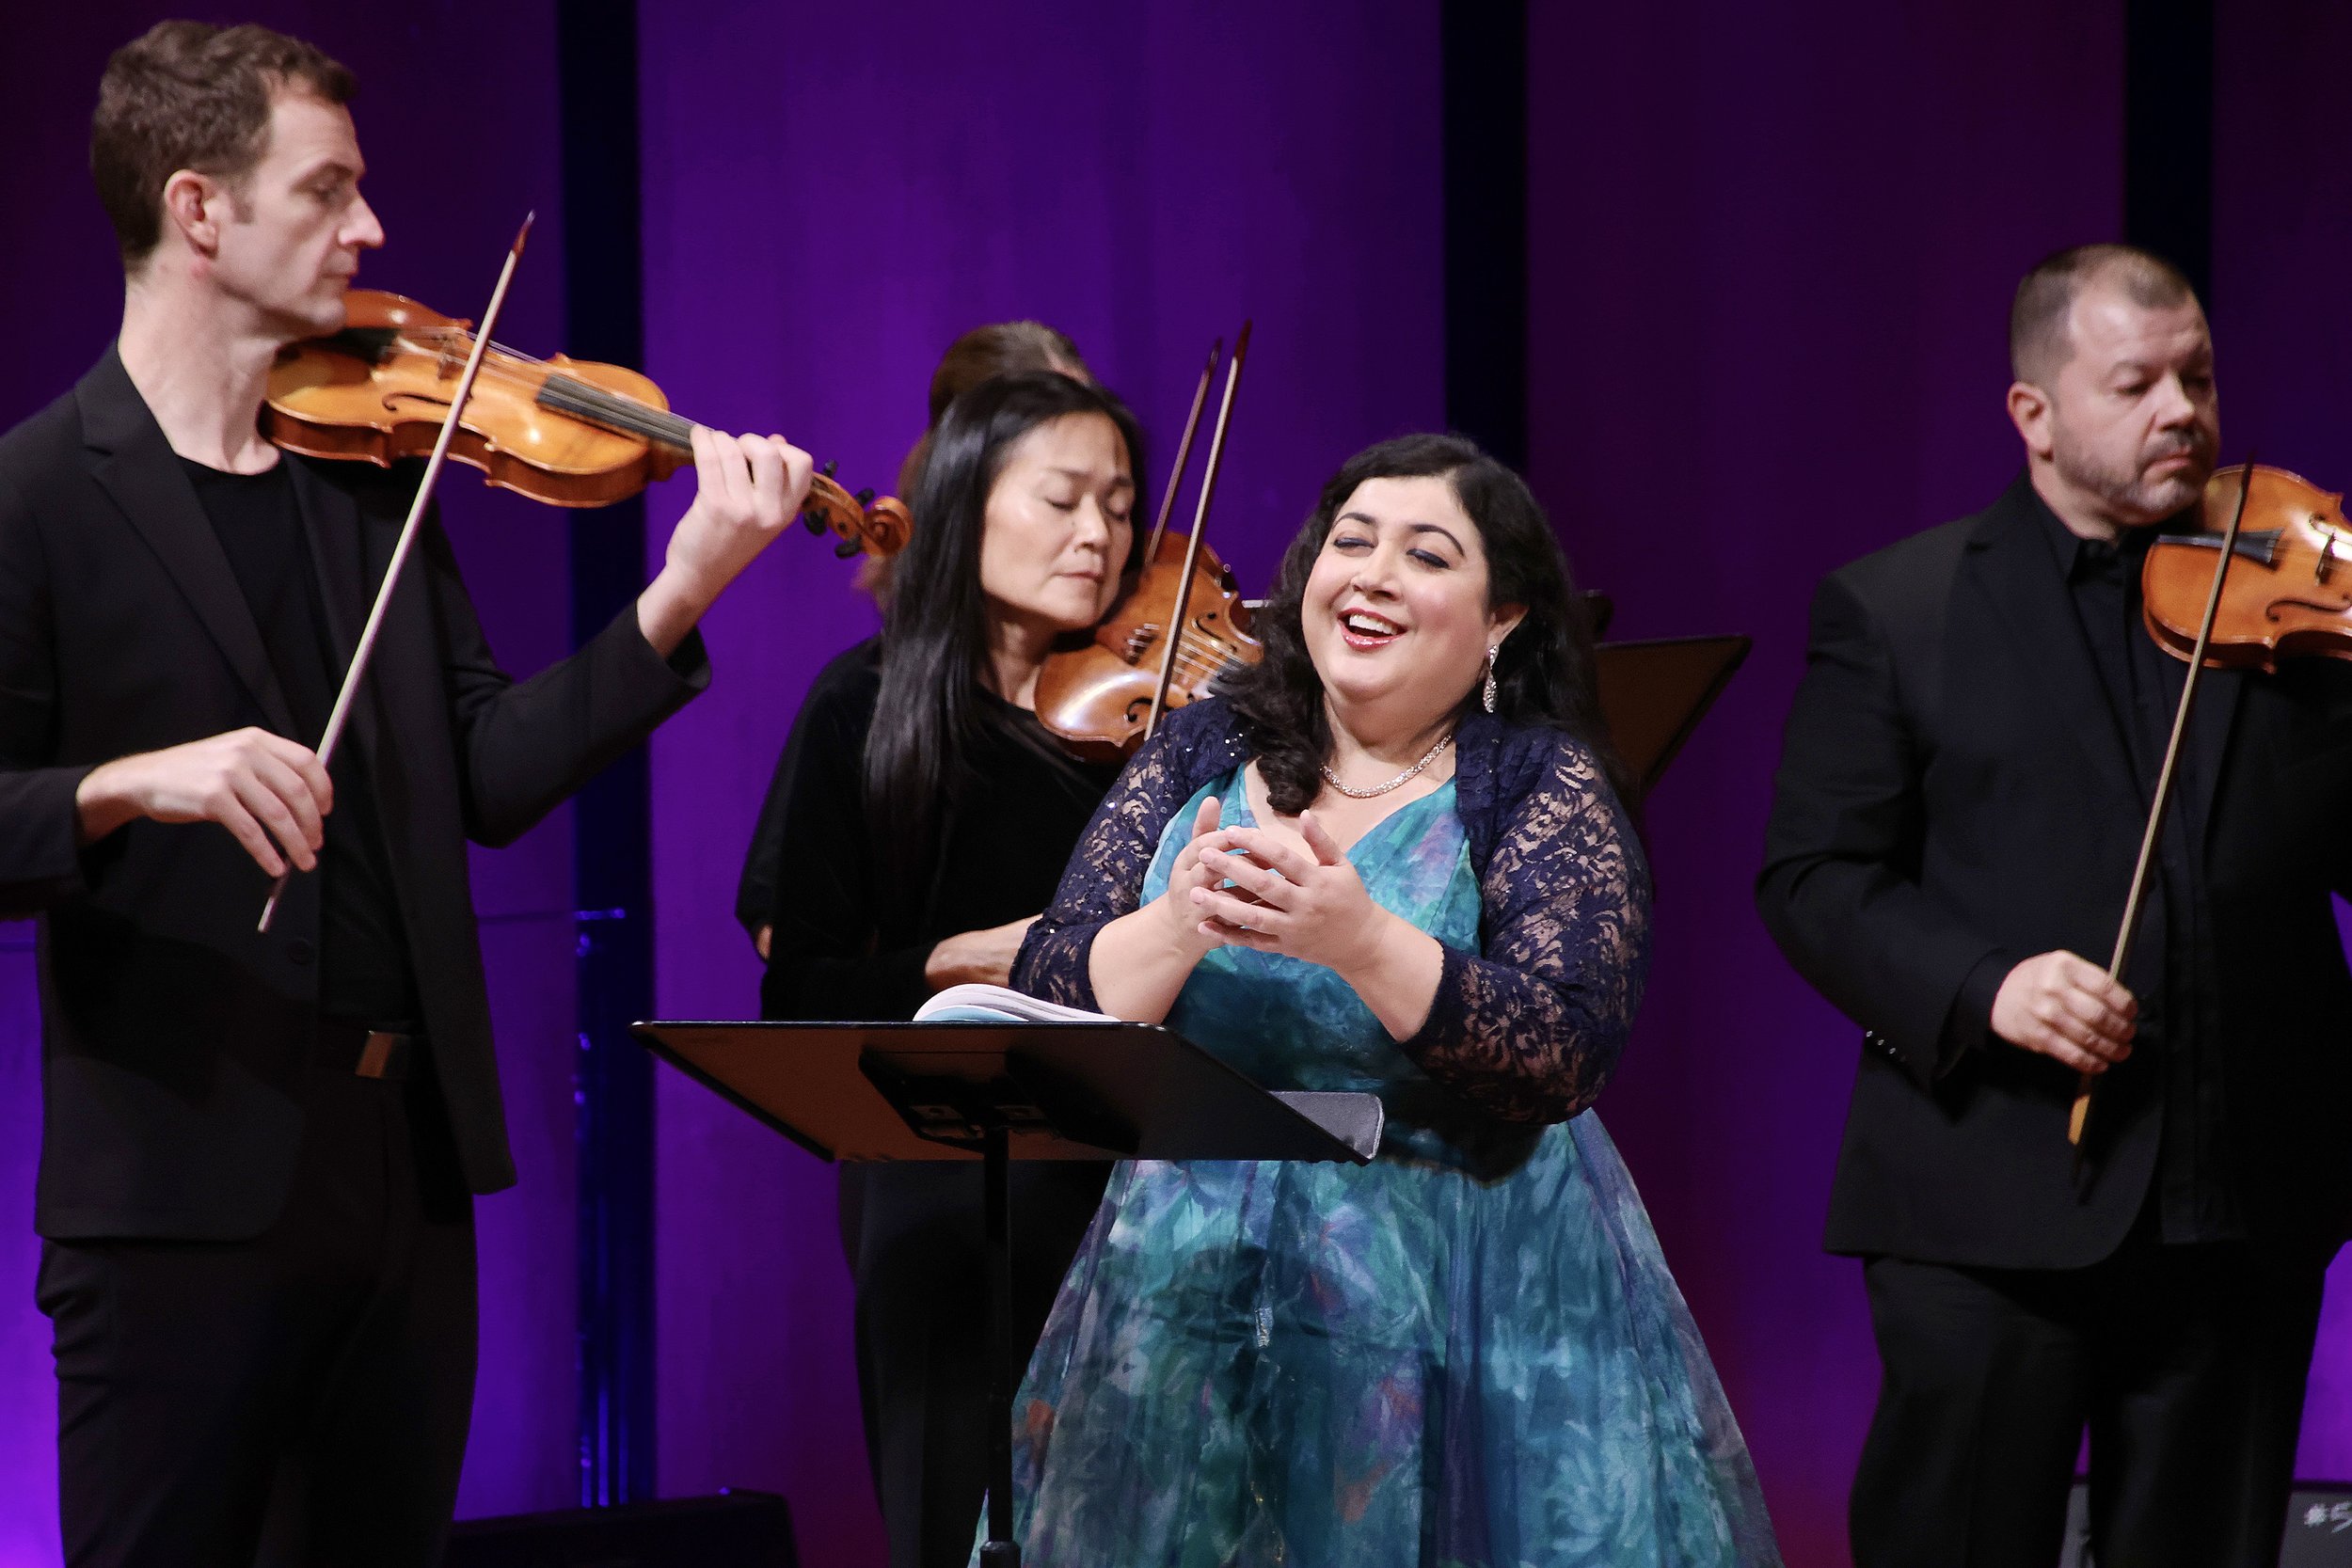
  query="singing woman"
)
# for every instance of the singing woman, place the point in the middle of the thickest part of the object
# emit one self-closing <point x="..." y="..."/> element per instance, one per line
<point x="1391" y="858"/>
<point x="922" y="816"/>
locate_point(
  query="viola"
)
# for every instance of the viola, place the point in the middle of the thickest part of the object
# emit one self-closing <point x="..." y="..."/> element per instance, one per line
<point x="2230" y="597"/>
<point x="1099" y="700"/>
<point x="1178" y="628"/>
<point x="562" y="431"/>
<point x="2288" y="591"/>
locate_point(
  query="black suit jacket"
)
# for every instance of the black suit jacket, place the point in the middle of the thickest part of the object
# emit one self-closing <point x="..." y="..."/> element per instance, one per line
<point x="1955" y="785"/>
<point x="176" y="1037"/>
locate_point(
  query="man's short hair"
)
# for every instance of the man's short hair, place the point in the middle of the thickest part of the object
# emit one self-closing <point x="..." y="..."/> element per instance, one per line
<point x="188" y="95"/>
<point x="2039" y="342"/>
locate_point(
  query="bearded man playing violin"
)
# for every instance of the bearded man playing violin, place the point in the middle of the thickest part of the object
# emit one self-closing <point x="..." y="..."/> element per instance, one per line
<point x="259" y="1147"/>
<point x="1967" y="774"/>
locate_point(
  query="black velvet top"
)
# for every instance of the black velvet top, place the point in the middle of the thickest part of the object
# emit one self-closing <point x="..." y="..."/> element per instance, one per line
<point x="847" y="947"/>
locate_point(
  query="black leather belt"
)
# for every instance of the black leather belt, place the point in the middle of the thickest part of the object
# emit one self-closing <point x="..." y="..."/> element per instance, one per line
<point x="366" y="1052"/>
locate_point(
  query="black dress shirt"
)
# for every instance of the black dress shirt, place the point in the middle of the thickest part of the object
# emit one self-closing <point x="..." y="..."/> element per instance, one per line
<point x="2194" y="1196"/>
<point x="365" y="975"/>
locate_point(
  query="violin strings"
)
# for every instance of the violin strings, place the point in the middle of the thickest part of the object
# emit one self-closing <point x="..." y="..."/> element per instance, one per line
<point x="1195" y="664"/>
<point x="568" y="393"/>
<point x="1200" y="670"/>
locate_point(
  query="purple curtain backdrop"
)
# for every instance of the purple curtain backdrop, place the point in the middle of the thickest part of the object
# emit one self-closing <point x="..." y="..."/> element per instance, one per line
<point x="436" y="89"/>
<point x="1770" y="265"/>
<point x="826" y="208"/>
<point x="1771" y="269"/>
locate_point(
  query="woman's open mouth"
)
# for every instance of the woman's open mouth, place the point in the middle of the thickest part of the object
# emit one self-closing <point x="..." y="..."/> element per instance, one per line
<point x="1361" y="628"/>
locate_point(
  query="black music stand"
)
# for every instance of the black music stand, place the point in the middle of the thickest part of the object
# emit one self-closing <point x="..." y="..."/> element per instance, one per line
<point x="1653" y="695"/>
<point x="997" y="1092"/>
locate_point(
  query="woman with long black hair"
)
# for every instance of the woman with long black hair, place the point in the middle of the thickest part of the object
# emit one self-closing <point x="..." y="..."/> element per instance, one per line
<point x="999" y="348"/>
<point x="922" y="817"/>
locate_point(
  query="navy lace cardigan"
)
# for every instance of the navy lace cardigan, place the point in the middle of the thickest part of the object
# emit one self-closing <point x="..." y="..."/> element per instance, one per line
<point x="1528" y="1030"/>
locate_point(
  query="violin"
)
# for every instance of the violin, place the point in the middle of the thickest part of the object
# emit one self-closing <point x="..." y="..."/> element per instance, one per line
<point x="2264" y="580"/>
<point x="1099" y="700"/>
<point x="1175" y="630"/>
<point x="2288" y="591"/>
<point x="561" y="431"/>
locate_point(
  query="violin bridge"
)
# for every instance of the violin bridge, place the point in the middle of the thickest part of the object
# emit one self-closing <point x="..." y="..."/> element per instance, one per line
<point x="2329" y="536"/>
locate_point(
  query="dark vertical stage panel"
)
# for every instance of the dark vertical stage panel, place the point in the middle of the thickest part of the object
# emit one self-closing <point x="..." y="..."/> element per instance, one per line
<point x="2282" y="339"/>
<point x="611" y="831"/>
<point x="1485" y="74"/>
<point x="1771" y="255"/>
<point x="2168" y="133"/>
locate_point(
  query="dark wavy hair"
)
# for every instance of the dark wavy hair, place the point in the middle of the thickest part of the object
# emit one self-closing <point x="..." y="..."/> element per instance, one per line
<point x="1544" y="676"/>
<point x="931" y="712"/>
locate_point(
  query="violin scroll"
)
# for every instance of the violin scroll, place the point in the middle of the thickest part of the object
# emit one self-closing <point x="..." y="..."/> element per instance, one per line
<point x="862" y="523"/>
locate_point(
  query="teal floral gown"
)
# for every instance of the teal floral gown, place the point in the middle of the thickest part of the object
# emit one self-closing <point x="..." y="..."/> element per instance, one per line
<point x="1468" y="1353"/>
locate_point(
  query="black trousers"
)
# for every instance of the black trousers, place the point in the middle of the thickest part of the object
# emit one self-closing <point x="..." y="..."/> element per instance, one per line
<point x="2185" y="1364"/>
<point x="301" y="1398"/>
<point x="913" y="1236"/>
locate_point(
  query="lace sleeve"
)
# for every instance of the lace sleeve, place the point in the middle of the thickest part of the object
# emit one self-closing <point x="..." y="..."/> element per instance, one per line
<point x="1531" y="1030"/>
<point x="1104" y="877"/>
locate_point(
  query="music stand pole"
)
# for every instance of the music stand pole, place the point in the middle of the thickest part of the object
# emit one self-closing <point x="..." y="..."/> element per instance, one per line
<point x="1000" y="1550"/>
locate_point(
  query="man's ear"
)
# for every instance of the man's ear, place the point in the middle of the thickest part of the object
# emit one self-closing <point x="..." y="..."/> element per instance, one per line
<point x="195" y="206"/>
<point x="2030" y="411"/>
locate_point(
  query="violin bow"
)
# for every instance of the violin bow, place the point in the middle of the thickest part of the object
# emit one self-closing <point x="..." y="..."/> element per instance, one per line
<point x="2079" y="1117"/>
<point x="364" y="652"/>
<point x="1184" y="452"/>
<point x="1200" y="526"/>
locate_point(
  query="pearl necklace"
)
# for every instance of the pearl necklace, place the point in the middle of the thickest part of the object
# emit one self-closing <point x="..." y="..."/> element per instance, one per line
<point x="1407" y="777"/>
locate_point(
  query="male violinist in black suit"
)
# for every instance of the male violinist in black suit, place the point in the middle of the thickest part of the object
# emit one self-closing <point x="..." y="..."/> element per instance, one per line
<point x="259" y="1150"/>
<point x="1967" y="772"/>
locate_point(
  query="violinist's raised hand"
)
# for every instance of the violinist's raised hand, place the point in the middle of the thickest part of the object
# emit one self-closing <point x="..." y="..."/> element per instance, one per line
<point x="748" y="489"/>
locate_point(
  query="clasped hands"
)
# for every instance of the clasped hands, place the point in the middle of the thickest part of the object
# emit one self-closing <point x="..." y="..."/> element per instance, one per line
<point x="1246" y="887"/>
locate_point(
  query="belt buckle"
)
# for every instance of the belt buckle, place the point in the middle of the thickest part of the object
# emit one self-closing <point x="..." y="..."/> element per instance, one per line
<point x="378" y="1054"/>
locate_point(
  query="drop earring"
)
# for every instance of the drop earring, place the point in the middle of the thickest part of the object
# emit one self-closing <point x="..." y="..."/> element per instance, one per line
<point x="1490" y="676"/>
